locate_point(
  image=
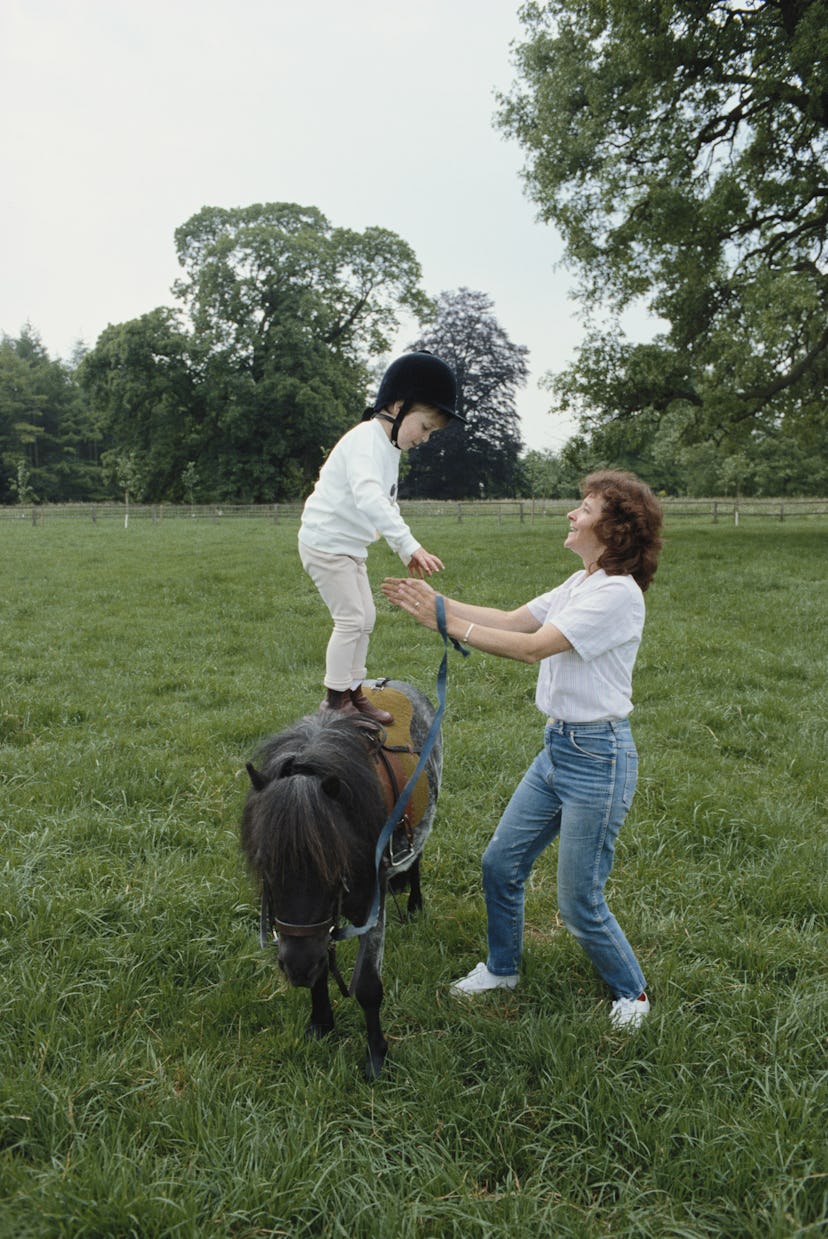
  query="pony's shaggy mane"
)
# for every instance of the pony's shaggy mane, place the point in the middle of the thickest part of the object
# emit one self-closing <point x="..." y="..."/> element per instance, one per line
<point x="316" y="807"/>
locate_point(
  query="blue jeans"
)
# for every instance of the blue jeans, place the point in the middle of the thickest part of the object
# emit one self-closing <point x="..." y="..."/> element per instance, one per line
<point x="579" y="788"/>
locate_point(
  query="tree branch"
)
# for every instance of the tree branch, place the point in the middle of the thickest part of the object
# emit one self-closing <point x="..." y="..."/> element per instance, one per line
<point x="339" y="329"/>
<point x="763" y="394"/>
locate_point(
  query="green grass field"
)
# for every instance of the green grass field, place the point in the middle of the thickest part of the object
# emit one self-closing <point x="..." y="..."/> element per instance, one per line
<point x="154" y="1078"/>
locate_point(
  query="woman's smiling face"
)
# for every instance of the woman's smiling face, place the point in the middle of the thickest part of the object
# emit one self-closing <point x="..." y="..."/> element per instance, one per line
<point x="581" y="539"/>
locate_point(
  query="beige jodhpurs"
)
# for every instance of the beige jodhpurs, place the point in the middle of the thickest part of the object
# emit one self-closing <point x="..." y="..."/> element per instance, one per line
<point x="343" y="583"/>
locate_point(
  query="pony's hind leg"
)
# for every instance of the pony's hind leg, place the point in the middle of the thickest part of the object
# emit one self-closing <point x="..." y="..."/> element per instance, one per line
<point x="415" y="893"/>
<point x="409" y="881"/>
<point x="321" y="1020"/>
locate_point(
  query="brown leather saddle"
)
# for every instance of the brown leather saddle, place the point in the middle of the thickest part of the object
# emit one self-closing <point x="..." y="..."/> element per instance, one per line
<point x="396" y="758"/>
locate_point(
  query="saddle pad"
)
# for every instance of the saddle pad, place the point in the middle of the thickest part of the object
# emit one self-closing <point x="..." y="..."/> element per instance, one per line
<point x="399" y="733"/>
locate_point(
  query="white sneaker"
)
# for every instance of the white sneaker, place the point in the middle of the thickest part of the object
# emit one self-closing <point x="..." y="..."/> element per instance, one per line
<point x="629" y="1012"/>
<point x="479" y="981"/>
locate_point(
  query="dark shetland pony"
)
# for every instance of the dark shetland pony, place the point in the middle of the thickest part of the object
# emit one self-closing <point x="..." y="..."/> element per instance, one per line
<point x="310" y="825"/>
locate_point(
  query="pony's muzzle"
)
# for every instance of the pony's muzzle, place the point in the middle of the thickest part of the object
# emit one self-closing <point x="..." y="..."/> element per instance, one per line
<point x="303" y="960"/>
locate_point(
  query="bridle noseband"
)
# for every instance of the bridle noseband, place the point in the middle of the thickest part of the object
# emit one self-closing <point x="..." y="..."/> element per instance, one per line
<point x="270" y="923"/>
<point x="287" y="930"/>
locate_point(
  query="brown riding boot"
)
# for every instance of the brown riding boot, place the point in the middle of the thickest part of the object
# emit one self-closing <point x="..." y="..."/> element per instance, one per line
<point x="366" y="707"/>
<point x="340" y="701"/>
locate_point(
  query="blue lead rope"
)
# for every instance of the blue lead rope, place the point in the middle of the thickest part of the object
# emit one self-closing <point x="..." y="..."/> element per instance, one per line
<point x="354" y="931"/>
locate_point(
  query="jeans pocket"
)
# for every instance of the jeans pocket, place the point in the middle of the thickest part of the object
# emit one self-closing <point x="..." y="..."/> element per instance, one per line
<point x="629" y="768"/>
<point x="595" y="746"/>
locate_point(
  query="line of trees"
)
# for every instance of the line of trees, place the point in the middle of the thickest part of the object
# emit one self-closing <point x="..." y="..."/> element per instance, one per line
<point x="681" y="150"/>
<point x="50" y="441"/>
<point x="57" y="446"/>
<point x="282" y="326"/>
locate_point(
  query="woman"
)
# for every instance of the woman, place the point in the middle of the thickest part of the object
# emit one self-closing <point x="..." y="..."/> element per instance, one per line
<point x="585" y="635"/>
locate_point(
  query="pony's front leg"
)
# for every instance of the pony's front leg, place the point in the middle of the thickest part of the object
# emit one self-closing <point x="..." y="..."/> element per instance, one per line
<point x="366" y="986"/>
<point x="321" y="1020"/>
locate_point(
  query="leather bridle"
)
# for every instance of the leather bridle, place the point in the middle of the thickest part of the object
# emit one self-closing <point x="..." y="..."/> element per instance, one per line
<point x="269" y="922"/>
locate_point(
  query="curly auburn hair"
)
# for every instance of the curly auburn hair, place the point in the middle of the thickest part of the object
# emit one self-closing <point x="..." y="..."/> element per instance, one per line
<point x="629" y="525"/>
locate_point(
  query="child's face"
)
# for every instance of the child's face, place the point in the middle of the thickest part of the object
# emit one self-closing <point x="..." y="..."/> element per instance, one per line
<point x="419" y="424"/>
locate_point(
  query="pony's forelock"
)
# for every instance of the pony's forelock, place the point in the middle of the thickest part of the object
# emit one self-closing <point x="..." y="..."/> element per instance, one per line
<point x="319" y="799"/>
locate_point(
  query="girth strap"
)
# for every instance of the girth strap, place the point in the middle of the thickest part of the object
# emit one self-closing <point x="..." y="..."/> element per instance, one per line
<point x="351" y="931"/>
<point x="391" y="767"/>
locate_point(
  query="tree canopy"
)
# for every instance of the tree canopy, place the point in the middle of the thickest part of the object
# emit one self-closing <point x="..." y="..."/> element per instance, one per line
<point x="261" y="278"/>
<point x="680" y="149"/>
<point x="240" y="393"/>
<point x="480" y="459"/>
<point x="49" y="442"/>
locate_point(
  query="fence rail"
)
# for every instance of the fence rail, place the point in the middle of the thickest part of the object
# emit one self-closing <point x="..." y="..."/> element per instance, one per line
<point x="731" y="510"/>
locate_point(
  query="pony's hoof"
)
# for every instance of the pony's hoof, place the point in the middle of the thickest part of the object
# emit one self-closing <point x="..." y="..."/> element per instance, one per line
<point x="375" y="1060"/>
<point x="373" y="1068"/>
<point x="315" y="1032"/>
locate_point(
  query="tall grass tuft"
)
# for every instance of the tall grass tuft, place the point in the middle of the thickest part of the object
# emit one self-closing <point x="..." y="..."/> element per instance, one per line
<point x="154" y="1077"/>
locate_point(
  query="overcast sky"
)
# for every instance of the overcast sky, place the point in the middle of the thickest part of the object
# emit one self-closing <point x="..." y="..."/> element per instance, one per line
<point x="122" y="118"/>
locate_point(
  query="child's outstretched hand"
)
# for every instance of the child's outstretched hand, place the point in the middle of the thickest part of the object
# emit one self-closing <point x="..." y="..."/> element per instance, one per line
<point x="422" y="563"/>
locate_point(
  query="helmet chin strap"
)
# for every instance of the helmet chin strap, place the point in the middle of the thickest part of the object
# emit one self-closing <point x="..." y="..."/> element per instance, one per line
<point x="396" y="422"/>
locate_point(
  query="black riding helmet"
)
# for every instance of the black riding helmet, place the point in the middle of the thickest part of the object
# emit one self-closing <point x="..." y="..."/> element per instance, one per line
<point x="415" y="378"/>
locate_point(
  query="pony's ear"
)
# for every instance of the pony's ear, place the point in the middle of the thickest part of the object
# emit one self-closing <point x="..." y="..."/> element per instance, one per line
<point x="258" y="780"/>
<point x="332" y="787"/>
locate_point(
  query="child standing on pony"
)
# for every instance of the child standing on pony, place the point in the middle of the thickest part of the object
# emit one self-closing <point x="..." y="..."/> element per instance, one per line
<point x="354" y="503"/>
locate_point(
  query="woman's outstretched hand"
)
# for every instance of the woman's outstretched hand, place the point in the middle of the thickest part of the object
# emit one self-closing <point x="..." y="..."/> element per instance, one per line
<point x="415" y="597"/>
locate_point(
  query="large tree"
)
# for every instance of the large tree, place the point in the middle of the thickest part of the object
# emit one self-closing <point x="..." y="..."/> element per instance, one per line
<point x="680" y="149"/>
<point x="239" y="394"/>
<point x="478" y="460"/>
<point x="287" y="311"/>
<point x="141" y="378"/>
